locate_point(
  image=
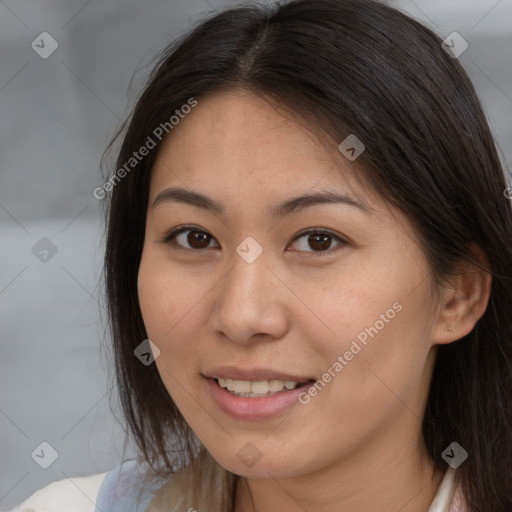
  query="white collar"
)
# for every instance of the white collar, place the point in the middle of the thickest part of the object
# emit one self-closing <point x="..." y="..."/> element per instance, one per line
<point x="444" y="495"/>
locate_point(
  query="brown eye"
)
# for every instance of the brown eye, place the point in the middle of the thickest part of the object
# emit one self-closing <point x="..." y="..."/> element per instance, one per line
<point x="194" y="238"/>
<point x="318" y="241"/>
<point x="198" y="239"/>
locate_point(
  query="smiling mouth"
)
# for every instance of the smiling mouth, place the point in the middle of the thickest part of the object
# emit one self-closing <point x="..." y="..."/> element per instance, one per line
<point x="258" y="389"/>
<point x="255" y="400"/>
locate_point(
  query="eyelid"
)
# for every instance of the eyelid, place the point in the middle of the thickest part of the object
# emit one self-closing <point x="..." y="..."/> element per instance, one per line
<point x="171" y="236"/>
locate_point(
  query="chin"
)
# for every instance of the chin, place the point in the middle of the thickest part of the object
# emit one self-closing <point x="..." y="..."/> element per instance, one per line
<point x="263" y="469"/>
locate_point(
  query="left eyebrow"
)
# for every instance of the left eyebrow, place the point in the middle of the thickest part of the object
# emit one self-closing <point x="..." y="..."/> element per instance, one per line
<point x="295" y="204"/>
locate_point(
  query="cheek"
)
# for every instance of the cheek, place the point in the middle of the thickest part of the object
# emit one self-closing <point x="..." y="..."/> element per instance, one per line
<point x="388" y="373"/>
<point x="152" y="300"/>
<point x="378" y="323"/>
<point x="350" y="311"/>
<point x="170" y="305"/>
<point x="164" y="296"/>
<point x="160" y="311"/>
<point x="158" y="305"/>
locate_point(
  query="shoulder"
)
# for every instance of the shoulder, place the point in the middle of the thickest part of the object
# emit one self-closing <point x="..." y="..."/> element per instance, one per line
<point x="127" y="488"/>
<point x="68" y="495"/>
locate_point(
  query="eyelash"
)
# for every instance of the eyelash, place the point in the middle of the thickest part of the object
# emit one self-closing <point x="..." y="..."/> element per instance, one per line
<point x="170" y="239"/>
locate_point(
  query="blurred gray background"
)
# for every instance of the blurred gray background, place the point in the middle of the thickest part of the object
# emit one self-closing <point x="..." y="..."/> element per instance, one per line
<point x="57" y="115"/>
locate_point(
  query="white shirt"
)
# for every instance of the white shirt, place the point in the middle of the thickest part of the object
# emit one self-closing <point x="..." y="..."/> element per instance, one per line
<point x="80" y="495"/>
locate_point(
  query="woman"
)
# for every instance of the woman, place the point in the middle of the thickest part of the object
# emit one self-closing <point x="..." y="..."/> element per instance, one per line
<point x="308" y="269"/>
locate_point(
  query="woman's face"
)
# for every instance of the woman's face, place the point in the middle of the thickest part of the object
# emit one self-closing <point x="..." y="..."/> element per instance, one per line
<point x="245" y="294"/>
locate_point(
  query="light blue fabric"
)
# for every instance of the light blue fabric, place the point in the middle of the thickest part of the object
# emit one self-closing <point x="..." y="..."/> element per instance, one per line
<point x="120" y="489"/>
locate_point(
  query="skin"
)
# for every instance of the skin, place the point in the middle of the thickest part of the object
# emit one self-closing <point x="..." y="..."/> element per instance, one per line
<point x="358" y="443"/>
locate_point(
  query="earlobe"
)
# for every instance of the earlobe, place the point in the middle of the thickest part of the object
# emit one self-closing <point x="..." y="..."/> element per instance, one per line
<point x="464" y="301"/>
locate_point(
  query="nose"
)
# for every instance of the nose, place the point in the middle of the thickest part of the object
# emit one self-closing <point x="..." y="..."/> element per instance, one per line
<point x="250" y="300"/>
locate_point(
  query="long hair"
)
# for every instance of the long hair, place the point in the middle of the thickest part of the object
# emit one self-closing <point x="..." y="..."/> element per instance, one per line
<point x="345" y="66"/>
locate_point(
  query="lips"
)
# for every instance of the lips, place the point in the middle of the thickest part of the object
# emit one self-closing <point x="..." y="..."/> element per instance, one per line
<point x="253" y="409"/>
<point x="255" y="375"/>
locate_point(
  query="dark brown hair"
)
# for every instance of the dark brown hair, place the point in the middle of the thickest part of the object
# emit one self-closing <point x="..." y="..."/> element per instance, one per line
<point x="348" y="66"/>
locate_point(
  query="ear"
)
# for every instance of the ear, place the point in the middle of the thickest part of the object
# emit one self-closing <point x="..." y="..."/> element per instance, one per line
<point x="464" y="300"/>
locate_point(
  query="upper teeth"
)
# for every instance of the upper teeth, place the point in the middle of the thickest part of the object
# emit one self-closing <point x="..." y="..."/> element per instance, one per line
<point x="259" y="387"/>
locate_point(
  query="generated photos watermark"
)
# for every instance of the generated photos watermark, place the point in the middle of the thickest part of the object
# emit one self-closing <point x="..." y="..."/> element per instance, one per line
<point x="158" y="133"/>
<point x="343" y="360"/>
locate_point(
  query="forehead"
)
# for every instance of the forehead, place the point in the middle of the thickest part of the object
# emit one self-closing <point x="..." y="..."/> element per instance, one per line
<point x="242" y="131"/>
<point x="239" y="145"/>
